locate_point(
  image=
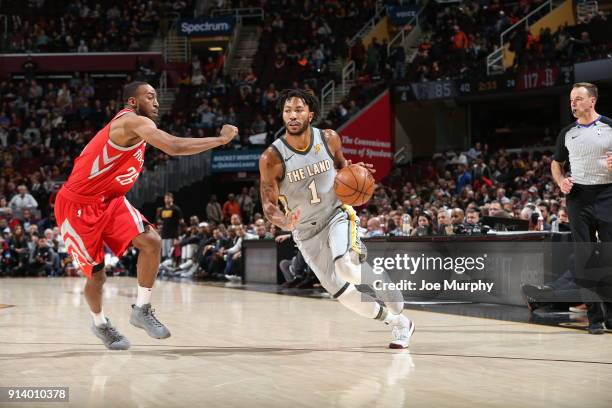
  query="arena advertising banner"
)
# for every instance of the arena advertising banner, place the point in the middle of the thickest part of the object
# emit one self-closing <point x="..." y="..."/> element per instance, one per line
<point x="235" y="160"/>
<point x="206" y="27"/>
<point x="368" y="137"/>
<point x="401" y="15"/>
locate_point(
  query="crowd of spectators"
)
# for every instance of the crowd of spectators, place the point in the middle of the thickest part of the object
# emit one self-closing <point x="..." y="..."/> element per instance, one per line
<point x="586" y="41"/>
<point x="459" y="37"/>
<point x="450" y="194"/>
<point x="446" y="195"/>
<point x="296" y="47"/>
<point x="211" y="248"/>
<point x="44" y="124"/>
<point x="457" y="40"/>
<point x="213" y="251"/>
<point x="207" y="99"/>
<point x="42" y="128"/>
<point x="30" y="249"/>
<point x="302" y="41"/>
<point x="87" y="25"/>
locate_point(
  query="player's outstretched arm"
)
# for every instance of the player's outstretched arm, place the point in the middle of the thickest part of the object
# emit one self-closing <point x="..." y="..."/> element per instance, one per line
<point x="271" y="170"/>
<point x="144" y="128"/>
<point x="335" y="146"/>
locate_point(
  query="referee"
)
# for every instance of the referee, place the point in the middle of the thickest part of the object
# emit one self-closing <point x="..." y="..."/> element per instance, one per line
<point x="587" y="145"/>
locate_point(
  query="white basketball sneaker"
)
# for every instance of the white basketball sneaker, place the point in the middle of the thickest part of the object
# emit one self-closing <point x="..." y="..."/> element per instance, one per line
<point x="402" y="332"/>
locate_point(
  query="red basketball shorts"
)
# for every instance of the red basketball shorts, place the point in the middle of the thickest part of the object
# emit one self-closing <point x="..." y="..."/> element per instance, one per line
<point x="89" y="223"/>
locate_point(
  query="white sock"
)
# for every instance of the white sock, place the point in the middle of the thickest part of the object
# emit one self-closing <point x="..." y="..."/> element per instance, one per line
<point x="144" y="296"/>
<point x="99" y="318"/>
<point x="392" y="318"/>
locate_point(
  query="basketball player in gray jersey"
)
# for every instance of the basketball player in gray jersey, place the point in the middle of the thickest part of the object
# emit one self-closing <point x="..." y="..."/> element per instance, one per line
<point x="297" y="177"/>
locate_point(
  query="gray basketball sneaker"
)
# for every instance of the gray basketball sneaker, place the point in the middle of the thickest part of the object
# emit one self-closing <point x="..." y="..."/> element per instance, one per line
<point x="144" y="318"/>
<point x="112" y="339"/>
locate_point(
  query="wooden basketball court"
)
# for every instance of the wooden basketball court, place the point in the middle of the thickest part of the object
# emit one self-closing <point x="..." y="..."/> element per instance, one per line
<point x="237" y="348"/>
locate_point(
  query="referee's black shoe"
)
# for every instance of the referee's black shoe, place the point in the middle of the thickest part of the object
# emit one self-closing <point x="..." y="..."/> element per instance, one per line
<point x="536" y="296"/>
<point x="596" y="328"/>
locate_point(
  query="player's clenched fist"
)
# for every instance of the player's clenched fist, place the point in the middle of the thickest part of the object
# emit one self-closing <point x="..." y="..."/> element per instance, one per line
<point x="228" y="133"/>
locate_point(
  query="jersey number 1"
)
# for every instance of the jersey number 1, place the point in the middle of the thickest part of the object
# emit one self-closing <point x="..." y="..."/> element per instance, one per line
<point x="313" y="190"/>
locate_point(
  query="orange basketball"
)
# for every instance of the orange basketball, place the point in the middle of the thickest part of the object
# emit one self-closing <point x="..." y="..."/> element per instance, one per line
<point x="354" y="185"/>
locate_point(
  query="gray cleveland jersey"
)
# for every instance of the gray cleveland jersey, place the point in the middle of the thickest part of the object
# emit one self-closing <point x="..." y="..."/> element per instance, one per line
<point x="586" y="148"/>
<point x="308" y="183"/>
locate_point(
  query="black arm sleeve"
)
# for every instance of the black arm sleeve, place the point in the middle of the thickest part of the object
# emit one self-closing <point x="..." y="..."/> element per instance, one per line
<point x="561" y="153"/>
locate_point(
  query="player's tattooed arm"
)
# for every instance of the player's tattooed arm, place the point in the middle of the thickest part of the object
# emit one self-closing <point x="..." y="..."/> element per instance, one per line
<point x="335" y="146"/>
<point x="271" y="170"/>
<point x="142" y="128"/>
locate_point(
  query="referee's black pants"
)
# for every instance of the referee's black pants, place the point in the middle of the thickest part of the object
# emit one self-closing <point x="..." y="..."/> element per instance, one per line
<point x="590" y="215"/>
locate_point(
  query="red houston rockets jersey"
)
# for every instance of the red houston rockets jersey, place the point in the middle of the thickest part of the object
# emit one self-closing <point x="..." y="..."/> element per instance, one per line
<point x="104" y="169"/>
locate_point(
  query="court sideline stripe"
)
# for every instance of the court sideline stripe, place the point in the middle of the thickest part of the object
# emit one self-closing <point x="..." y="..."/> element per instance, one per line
<point x="279" y="349"/>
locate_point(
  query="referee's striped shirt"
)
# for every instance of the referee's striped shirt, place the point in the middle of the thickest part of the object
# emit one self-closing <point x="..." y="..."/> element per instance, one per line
<point x="586" y="148"/>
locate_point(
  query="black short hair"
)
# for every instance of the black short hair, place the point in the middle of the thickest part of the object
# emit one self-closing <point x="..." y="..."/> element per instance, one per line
<point x="130" y="89"/>
<point x="307" y="97"/>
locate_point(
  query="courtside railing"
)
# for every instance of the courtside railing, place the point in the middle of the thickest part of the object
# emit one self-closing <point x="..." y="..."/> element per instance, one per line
<point x="328" y="98"/>
<point x="163" y="84"/>
<point x="409" y="33"/>
<point x="231" y="47"/>
<point x="176" y="47"/>
<point x="381" y="11"/>
<point x="349" y="75"/>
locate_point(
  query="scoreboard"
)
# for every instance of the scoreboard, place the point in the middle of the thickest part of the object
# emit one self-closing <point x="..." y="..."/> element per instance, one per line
<point x="542" y="78"/>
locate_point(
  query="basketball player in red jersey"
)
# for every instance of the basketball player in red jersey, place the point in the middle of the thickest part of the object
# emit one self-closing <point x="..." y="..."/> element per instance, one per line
<point x="92" y="210"/>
